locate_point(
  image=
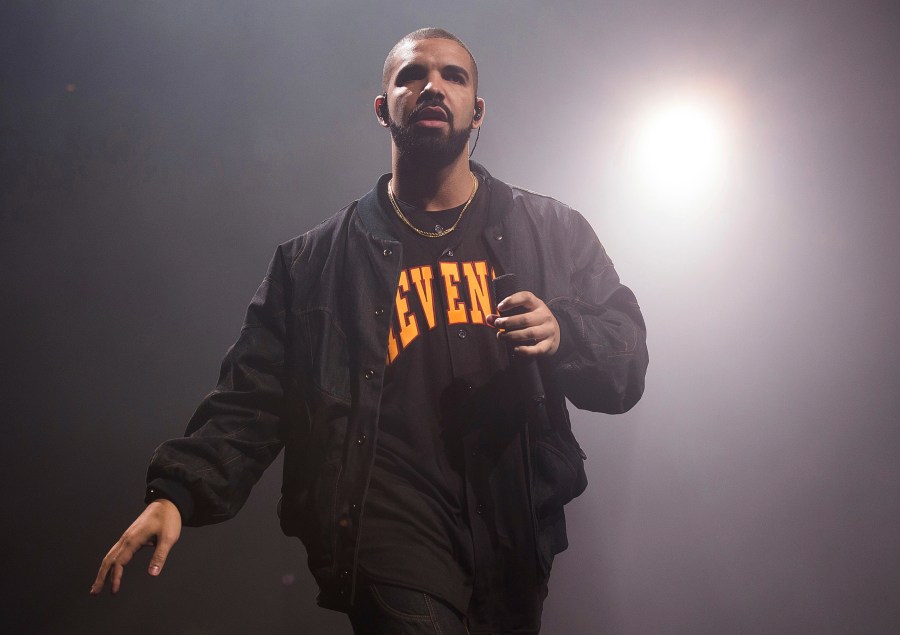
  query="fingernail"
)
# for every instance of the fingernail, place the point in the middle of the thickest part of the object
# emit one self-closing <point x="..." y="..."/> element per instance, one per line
<point x="154" y="569"/>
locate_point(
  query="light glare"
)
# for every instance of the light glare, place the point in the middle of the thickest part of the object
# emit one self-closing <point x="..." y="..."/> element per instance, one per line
<point x="678" y="154"/>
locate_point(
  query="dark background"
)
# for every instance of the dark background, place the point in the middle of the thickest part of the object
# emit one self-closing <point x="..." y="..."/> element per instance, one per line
<point x="153" y="154"/>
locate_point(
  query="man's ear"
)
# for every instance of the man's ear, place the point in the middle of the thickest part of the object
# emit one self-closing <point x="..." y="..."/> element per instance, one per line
<point x="478" y="116"/>
<point x="381" y="110"/>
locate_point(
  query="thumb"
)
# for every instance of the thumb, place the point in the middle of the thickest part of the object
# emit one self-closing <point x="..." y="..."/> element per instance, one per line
<point x="168" y="529"/>
<point x="158" y="559"/>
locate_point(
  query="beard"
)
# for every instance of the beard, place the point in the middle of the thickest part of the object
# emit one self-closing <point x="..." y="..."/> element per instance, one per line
<point x="428" y="146"/>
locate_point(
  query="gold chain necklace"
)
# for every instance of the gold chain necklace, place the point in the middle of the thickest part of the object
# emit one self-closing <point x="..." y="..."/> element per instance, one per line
<point x="422" y="232"/>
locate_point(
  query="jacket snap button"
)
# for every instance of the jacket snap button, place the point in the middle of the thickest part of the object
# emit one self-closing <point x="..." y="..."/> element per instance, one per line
<point x="379" y="311"/>
<point x="462" y="334"/>
<point x="387" y="252"/>
<point x="498" y="237"/>
<point x="479" y="509"/>
<point x="361" y="440"/>
<point x="450" y="252"/>
<point x="369" y="374"/>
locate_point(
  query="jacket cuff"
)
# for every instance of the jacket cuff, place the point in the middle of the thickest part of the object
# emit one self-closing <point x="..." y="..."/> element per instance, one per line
<point x="172" y="491"/>
<point x="567" y="344"/>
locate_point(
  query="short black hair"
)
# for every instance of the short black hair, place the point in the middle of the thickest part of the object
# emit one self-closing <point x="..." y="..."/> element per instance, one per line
<point x="427" y="33"/>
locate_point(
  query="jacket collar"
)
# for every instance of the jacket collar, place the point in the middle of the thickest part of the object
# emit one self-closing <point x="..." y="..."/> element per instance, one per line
<point x="372" y="214"/>
<point x="501" y="196"/>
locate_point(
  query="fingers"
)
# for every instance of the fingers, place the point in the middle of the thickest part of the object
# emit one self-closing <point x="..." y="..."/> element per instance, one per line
<point x="532" y="333"/>
<point x="159" y="525"/>
<point x="521" y="298"/>
<point x="117" y="571"/>
<point x="535" y="348"/>
<point x="100" y="580"/>
<point x="113" y="564"/>
<point x="529" y="315"/>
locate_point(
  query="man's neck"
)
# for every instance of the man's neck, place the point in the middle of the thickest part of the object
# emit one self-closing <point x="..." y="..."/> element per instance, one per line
<point x="432" y="189"/>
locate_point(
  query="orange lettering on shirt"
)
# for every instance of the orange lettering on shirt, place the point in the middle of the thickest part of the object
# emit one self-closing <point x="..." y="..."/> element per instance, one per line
<point x="421" y="278"/>
<point x="456" y="308"/>
<point x="393" y="349"/>
<point x="409" y="328"/>
<point x="479" y="298"/>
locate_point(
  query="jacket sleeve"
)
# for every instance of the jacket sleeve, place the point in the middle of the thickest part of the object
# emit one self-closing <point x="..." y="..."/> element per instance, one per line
<point x="234" y="434"/>
<point x="602" y="357"/>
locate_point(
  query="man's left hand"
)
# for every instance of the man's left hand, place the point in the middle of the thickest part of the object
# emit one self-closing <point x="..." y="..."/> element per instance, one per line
<point x="533" y="333"/>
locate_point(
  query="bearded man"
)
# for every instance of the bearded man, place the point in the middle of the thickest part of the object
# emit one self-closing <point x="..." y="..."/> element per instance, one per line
<point x="424" y="481"/>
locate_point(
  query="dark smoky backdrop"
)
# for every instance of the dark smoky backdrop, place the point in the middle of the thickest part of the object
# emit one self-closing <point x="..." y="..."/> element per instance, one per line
<point x="153" y="154"/>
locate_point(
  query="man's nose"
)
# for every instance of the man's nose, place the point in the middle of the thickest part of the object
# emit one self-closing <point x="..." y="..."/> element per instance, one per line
<point x="433" y="88"/>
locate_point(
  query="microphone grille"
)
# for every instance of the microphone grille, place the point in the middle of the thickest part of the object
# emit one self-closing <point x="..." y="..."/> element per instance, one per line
<point x="506" y="285"/>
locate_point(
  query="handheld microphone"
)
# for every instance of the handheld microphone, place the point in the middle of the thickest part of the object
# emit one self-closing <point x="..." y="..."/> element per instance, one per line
<point x="529" y="376"/>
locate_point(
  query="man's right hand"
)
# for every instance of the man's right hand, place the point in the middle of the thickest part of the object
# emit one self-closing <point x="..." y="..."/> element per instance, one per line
<point x="159" y="524"/>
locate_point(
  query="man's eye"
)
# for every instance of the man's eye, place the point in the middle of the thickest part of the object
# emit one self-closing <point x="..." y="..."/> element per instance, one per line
<point x="409" y="75"/>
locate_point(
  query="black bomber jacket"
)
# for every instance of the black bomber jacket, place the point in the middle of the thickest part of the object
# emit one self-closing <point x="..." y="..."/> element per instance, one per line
<point x="306" y="375"/>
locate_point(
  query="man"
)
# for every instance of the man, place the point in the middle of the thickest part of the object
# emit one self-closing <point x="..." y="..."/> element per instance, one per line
<point x="427" y="490"/>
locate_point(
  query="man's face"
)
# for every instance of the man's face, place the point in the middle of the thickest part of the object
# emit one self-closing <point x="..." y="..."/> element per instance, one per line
<point x="431" y="100"/>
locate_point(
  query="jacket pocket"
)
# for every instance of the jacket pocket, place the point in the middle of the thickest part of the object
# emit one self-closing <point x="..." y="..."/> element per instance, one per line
<point x="557" y="465"/>
<point x="307" y="512"/>
<point x="323" y="353"/>
<point x="557" y="473"/>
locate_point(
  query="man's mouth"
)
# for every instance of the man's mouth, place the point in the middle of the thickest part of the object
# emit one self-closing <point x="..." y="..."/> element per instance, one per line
<point x="431" y="117"/>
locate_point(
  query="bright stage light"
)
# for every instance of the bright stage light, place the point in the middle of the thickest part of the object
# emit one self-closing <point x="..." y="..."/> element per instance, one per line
<point x="678" y="154"/>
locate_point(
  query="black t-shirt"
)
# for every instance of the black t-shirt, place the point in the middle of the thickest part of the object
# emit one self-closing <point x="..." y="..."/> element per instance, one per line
<point x="447" y="509"/>
<point x="415" y="529"/>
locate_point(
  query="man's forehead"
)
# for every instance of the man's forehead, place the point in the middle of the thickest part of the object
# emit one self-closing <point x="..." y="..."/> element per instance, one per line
<point x="436" y="51"/>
